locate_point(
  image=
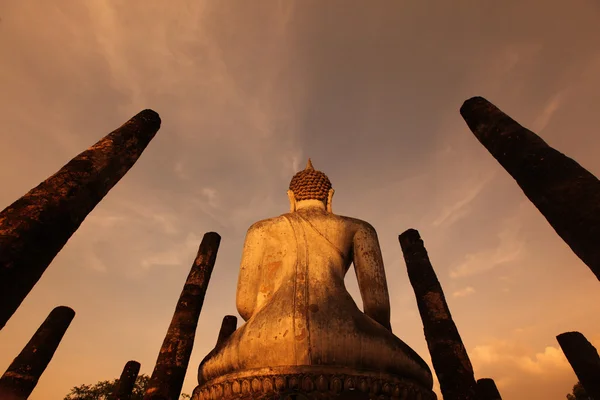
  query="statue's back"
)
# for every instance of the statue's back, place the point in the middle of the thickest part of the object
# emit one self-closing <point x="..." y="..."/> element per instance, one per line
<point x="300" y="319"/>
<point x="330" y="247"/>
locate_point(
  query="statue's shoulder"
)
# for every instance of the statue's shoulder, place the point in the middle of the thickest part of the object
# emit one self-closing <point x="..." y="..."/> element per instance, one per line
<point x="267" y="224"/>
<point x="357" y="224"/>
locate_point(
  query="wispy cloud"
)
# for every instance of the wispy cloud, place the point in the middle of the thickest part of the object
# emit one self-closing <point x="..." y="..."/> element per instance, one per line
<point x="508" y="249"/>
<point x="464" y="292"/>
<point x="211" y="196"/>
<point x="513" y="360"/>
<point x="181" y="171"/>
<point x="105" y="220"/>
<point x="174" y="256"/>
<point x="460" y="208"/>
<point x="549" y="110"/>
<point x="95" y="263"/>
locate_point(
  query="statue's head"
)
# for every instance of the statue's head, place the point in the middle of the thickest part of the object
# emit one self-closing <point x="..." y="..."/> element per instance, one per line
<point x="310" y="184"/>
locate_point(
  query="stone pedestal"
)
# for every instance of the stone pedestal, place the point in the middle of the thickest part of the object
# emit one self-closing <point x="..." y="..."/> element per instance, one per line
<point x="311" y="382"/>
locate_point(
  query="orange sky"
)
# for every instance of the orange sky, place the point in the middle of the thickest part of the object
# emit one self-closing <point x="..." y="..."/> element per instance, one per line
<point x="247" y="91"/>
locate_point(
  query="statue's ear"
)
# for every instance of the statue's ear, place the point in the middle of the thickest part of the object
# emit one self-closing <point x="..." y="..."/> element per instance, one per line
<point x="329" y="199"/>
<point x="292" y="201"/>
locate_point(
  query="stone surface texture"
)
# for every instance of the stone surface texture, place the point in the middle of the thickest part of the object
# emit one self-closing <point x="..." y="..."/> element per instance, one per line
<point x="565" y="193"/>
<point x="36" y="227"/>
<point x="170" y="369"/>
<point x="23" y="374"/>
<point x="448" y="354"/>
<point x="303" y="332"/>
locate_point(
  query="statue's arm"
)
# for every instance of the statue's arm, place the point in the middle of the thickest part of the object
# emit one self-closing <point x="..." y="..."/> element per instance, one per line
<point x="370" y="274"/>
<point x="249" y="277"/>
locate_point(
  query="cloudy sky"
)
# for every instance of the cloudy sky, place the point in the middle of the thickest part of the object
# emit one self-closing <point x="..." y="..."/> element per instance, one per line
<point x="247" y="91"/>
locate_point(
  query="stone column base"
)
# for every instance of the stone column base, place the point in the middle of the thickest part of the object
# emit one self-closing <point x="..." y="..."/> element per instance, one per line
<point x="311" y="382"/>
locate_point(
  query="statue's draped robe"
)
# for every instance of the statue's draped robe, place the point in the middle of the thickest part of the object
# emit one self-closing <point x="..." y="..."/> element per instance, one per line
<point x="305" y="316"/>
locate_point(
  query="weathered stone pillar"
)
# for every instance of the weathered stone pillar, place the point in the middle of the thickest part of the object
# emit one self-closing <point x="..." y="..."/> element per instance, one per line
<point x="23" y="374"/>
<point x="448" y="354"/>
<point x="584" y="359"/>
<point x="36" y="227"/>
<point x="127" y="380"/>
<point x="565" y="193"/>
<point x="228" y="326"/>
<point x="171" y="366"/>
<point x="487" y="390"/>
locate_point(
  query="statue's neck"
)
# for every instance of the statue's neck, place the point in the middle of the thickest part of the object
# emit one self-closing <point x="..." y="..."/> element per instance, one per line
<point x="310" y="204"/>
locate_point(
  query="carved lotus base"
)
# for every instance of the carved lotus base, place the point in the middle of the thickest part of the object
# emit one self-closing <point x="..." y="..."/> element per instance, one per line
<point x="311" y="382"/>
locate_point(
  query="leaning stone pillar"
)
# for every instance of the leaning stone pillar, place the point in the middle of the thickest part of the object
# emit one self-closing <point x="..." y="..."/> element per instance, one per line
<point x="23" y="374"/>
<point x="487" y="390"/>
<point x="167" y="379"/>
<point x="36" y="227"/>
<point x="584" y="359"/>
<point x="565" y="193"/>
<point x="228" y="326"/>
<point x="126" y="382"/>
<point x="448" y="354"/>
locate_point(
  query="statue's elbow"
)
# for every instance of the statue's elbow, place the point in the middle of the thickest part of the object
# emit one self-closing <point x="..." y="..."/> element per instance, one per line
<point x="245" y="309"/>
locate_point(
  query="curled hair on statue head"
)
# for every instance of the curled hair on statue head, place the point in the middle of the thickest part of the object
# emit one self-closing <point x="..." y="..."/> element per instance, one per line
<point x="310" y="184"/>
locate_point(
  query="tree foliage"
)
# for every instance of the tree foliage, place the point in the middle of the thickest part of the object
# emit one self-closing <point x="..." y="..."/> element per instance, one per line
<point x="578" y="393"/>
<point x="103" y="390"/>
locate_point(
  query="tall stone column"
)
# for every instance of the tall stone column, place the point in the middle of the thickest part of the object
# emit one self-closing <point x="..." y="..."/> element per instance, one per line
<point x="23" y="374"/>
<point x="167" y="379"/>
<point x="584" y="359"/>
<point x="126" y="382"/>
<point x="36" y="227"/>
<point x="565" y="193"/>
<point x="228" y="326"/>
<point x="487" y="390"/>
<point x="448" y="354"/>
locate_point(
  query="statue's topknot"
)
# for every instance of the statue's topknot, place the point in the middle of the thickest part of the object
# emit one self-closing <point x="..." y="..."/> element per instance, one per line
<point x="310" y="184"/>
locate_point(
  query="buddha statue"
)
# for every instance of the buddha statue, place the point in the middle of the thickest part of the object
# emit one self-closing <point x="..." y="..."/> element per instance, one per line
<point x="303" y="332"/>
